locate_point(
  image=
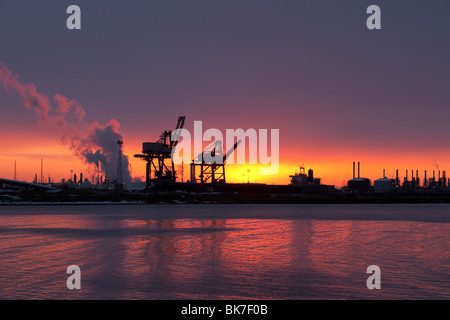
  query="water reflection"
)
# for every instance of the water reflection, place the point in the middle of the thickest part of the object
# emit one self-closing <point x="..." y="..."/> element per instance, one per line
<point x="132" y="255"/>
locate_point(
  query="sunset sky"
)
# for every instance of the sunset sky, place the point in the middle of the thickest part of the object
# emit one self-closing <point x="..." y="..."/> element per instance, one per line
<point x="337" y="91"/>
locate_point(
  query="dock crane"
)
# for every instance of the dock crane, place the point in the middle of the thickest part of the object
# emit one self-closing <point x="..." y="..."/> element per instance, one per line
<point x="212" y="163"/>
<point x="157" y="154"/>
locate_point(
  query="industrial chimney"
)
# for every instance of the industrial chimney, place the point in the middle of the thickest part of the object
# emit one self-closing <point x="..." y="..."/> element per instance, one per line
<point x="119" y="182"/>
<point x="358" y="170"/>
<point x="425" y="181"/>
<point x="353" y="169"/>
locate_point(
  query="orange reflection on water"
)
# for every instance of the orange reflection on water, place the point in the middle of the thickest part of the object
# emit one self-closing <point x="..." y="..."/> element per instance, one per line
<point x="344" y="249"/>
<point x="171" y="253"/>
<point x="259" y="244"/>
<point x="134" y="257"/>
<point x="329" y="246"/>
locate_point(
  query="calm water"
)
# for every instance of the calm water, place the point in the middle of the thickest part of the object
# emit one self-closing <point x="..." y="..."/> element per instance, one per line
<point x="225" y="251"/>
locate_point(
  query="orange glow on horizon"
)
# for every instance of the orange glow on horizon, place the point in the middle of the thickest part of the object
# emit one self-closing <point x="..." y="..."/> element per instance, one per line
<point x="334" y="167"/>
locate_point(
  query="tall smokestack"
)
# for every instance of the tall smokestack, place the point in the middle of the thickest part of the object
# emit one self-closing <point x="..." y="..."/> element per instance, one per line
<point x="42" y="170"/>
<point x="119" y="183"/>
<point x="182" y="171"/>
<point x="353" y="169"/>
<point x="444" y="179"/>
<point x="15" y="170"/>
<point x="425" y="182"/>
<point x="358" y="169"/>
<point x="384" y="173"/>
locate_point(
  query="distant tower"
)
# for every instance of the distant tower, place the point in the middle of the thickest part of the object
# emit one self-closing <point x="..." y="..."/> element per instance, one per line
<point x="42" y="171"/>
<point x="15" y="170"/>
<point x="119" y="182"/>
<point x="182" y="170"/>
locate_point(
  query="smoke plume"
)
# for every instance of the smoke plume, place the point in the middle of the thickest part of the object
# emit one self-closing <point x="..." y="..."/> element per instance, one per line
<point x="93" y="143"/>
<point x="435" y="163"/>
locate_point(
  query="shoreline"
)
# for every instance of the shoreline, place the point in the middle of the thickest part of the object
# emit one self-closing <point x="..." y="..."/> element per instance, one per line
<point x="79" y="198"/>
<point x="429" y="213"/>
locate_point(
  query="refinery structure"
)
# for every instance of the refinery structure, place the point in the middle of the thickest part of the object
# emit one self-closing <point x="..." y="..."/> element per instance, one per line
<point x="411" y="183"/>
<point x="209" y="176"/>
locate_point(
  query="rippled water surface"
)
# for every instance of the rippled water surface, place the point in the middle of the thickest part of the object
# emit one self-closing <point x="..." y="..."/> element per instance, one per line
<point x="225" y="251"/>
